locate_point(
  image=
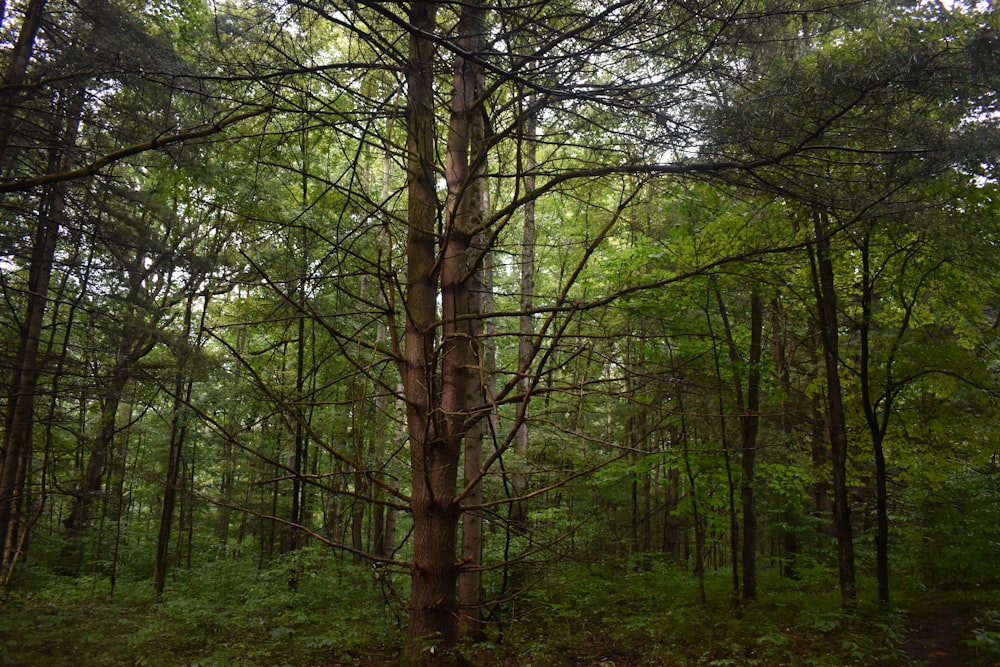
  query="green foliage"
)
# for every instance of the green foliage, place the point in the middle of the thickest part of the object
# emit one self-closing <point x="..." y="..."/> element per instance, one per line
<point x="223" y="613"/>
<point x="958" y="532"/>
<point x="590" y="614"/>
<point x="985" y="638"/>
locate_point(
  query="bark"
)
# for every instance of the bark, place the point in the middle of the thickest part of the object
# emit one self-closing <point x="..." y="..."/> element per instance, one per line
<point x="358" y="512"/>
<point x="877" y="421"/>
<point x="671" y="524"/>
<point x="130" y="352"/>
<point x="749" y="422"/>
<point x="820" y="445"/>
<point x="19" y="418"/>
<point x="439" y="416"/>
<point x="228" y="475"/>
<point x="734" y="524"/>
<point x="301" y="444"/>
<point x="178" y="431"/>
<point x="526" y="329"/>
<point x="119" y="512"/>
<point x="17" y="68"/>
<point x="481" y="387"/>
<point x="699" y="528"/>
<point x="791" y="514"/>
<point x="466" y="168"/>
<point x="433" y="455"/>
<point x="826" y="302"/>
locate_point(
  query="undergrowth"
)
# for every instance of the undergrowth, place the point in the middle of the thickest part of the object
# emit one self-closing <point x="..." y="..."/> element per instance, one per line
<point x="655" y="617"/>
<point x="224" y="613"/>
<point x="231" y="613"/>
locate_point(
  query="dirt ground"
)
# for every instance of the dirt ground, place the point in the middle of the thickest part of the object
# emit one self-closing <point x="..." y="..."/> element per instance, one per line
<point x="937" y="640"/>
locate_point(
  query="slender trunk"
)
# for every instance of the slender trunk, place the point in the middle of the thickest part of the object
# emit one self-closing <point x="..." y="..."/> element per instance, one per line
<point x="671" y="524"/>
<point x="467" y="167"/>
<point x="826" y="302"/>
<point x="392" y="513"/>
<point x="301" y="444"/>
<point x="791" y="513"/>
<point x="178" y="430"/>
<point x="749" y="421"/>
<point x="228" y="475"/>
<point x="17" y="68"/>
<point x="481" y="387"/>
<point x="526" y="329"/>
<point x="19" y="418"/>
<point x="734" y="360"/>
<point x="820" y="444"/>
<point x="876" y="425"/>
<point x="129" y="354"/>
<point x="121" y="465"/>
<point x="699" y="528"/>
<point x="358" y="514"/>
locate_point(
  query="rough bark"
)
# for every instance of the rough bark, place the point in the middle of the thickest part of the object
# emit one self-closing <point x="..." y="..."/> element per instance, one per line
<point x="19" y="422"/>
<point x="434" y="456"/>
<point x="438" y="389"/>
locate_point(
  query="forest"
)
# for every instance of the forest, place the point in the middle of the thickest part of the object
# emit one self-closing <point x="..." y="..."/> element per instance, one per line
<point x="511" y="332"/>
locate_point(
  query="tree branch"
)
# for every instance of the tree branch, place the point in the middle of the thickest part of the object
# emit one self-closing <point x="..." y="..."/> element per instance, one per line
<point x="156" y="143"/>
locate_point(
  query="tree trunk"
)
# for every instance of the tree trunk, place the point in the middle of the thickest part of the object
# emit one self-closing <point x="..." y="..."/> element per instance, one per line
<point x="826" y="302"/>
<point x="878" y="422"/>
<point x="480" y="385"/>
<point x="791" y="514"/>
<point x="439" y="412"/>
<point x="433" y="456"/>
<point x="178" y="431"/>
<point x="17" y="69"/>
<point x="129" y="353"/>
<point x="19" y="419"/>
<point x="734" y="360"/>
<point x="526" y="328"/>
<point x="749" y="421"/>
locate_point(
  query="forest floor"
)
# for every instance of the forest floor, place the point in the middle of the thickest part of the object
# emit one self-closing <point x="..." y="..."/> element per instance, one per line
<point x="941" y="627"/>
<point x="230" y="613"/>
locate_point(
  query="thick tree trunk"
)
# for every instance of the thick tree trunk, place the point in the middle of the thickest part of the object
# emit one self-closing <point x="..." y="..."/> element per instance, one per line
<point x="826" y="302"/>
<point x="433" y="456"/>
<point x="439" y="415"/>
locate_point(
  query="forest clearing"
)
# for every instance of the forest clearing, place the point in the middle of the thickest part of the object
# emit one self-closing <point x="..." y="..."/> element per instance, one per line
<point x="352" y="332"/>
